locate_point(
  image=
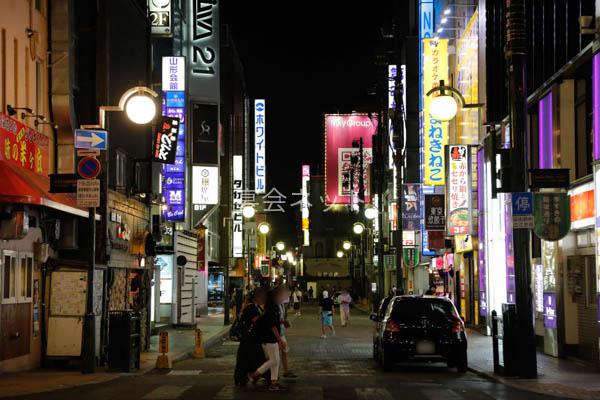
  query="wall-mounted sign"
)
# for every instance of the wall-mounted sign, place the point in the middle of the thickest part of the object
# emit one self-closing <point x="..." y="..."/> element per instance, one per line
<point x="165" y="140"/>
<point x="552" y="178"/>
<point x="411" y="256"/>
<point x="173" y="74"/>
<point x="551" y="215"/>
<point x="550" y="310"/>
<point x="463" y="243"/>
<point x="435" y="212"/>
<point x="238" y="188"/>
<point x="260" y="163"/>
<point x="201" y="258"/>
<point x="205" y="133"/>
<point x="304" y="204"/>
<point x="202" y="49"/>
<point x="458" y="189"/>
<point x="411" y="206"/>
<point x="205" y="185"/>
<point x="160" y="17"/>
<point x="173" y="174"/>
<point x="522" y="210"/>
<point x="582" y="206"/>
<point x="409" y="238"/>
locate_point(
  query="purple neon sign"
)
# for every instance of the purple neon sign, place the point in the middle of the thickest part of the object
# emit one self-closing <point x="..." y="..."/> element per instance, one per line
<point x="481" y="232"/>
<point x="545" y="131"/>
<point x="173" y="183"/>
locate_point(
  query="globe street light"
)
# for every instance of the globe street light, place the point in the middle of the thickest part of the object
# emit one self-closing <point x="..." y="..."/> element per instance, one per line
<point x="248" y="211"/>
<point x="139" y="105"/>
<point x="358" y="228"/>
<point x="371" y="213"/>
<point x="340" y="254"/>
<point x="347" y="245"/>
<point x="280" y="246"/>
<point x="264" y="228"/>
<point x="290" y="256"/>
<point x="444" y="106"/>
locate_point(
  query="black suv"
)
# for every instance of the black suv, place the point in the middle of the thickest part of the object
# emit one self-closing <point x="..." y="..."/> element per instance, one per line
<point x="420" y="328"/>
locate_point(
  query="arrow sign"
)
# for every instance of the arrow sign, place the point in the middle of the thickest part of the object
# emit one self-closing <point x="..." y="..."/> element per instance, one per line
<point x="85" y="139"/>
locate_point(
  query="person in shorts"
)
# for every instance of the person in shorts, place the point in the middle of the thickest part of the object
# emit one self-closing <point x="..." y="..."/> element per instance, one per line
<point x="284" y="293"/>
<point x="326" y="308"/>
<point x="296" y="299"/>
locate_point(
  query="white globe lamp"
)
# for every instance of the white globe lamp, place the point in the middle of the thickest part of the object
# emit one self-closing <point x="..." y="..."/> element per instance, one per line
<point x="443" y="107"/>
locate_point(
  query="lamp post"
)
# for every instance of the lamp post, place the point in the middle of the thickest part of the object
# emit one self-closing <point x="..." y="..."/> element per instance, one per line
<point x="359" y="228"/>
<point x="139" y="111"/>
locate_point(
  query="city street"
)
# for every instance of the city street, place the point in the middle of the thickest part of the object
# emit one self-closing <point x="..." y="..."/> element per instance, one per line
<point x="334" y="368"/>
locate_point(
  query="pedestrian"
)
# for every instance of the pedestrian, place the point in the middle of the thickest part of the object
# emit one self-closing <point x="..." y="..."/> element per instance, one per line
<point x="296" y="299"/>
<point x="344" y="299"/>
<point x="284" y="298"/>
<point x="250" y="354"/>
<point x="310" y="293"/>
<point x="270" y="339"/>
<point x="326" y="308"/>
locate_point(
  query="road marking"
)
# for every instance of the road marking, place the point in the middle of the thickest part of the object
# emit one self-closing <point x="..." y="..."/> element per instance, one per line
<point x="439" y="393"/>
<point x="373" y="394"/>
<point x="226" y="393"/>
<point x="185" y="372"/>
<point x="167" y="392"/>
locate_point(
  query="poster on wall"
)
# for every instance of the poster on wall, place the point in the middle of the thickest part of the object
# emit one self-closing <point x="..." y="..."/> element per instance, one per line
<point x="458" y="189"/>
<point x="205" y="133"/>
<point x="341" y="174"/>
<point x="551" y="215"/>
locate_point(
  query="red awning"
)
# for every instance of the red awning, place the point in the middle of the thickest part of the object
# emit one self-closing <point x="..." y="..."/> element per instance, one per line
<point x="21" y="186"/>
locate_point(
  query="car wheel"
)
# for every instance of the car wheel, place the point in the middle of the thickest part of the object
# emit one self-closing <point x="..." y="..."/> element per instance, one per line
<point x="386" y="362"/>
<point x="461" y="362"/>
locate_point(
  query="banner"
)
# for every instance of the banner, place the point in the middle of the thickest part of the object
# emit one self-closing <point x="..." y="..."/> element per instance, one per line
<point x="435" y="133"/>
<point x="458" y="188"/>
<point x="165" y="140"/>
<point x="205" y="133"/>
<point x="435" y="212"/>
<point x="23" y="146"/>
<point x="341" y="175"/>
<point x="411" y="207"/>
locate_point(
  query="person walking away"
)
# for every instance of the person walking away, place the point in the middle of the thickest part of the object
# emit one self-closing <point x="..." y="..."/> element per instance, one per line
<point x="296" y="299"/>
<point x="270" y="338"/>
<point x="344" y="300"/>
<point x="284" y="298"/>
<point x="326" y="308"/>
<point x="250" y="354"/>
<point x="310" y="293"/>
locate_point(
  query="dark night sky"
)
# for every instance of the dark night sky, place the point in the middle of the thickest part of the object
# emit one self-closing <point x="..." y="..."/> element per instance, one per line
<point x="306" y="59"/>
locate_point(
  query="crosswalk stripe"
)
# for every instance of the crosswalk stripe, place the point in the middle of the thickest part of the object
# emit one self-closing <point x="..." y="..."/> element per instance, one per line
<point x="373" y="394"/>
<point x="167" y="392"/>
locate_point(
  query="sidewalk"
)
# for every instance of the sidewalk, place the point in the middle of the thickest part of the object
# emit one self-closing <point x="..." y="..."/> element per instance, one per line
<point x="563" y="378"/>
<point x="181" y="344"/>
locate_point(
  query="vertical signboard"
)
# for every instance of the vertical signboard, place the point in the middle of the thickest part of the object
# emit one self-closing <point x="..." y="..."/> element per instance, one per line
<point x="411" y="207"/>
<point x="304" y="205"/>
<point x="160" y="15"/>
<point x="458" y="189"/>
<point x="435" y="213"/>
<point x="173" y="74"/>
<point x="238" y="187"/>
<point x="260" y="164"/>
<point x="205" y="133"/>
<point x="205" y="185"/>
<point x="173" y="175"/>
<point x="341" y="174"/>
<point x="202" y="49"/>
<point x="435" y="132"/>
<point x="597" y="220"/>
<point x="164" y="141"/>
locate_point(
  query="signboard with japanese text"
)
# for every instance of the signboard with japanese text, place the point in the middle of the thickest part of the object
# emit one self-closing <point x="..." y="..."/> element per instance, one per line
<point x="305" y="205"/>
<point x="411" y="206"/>
<point x="435" y="212"/>
<point x="550" y="310"/>
<point x="551" y="215"/>
<point x="522" y="210"/>
<point x="409" y="238"/>
<point x="260" y="163"/>
<point x="165" y="139"/>
<point x="23" y="146"/>
<point x="458" y="189"/>
<point x="205" y="133"/>
<point x="173" y="74"/>
<point x="435" y="132"/>
<point x="341" y="174"/>
<point x="173" y="175"/>
<point x="467" y="82"/>
<point x="201" y="250"/>
<point x="411" y="256"/>
<point x="88" y="193"/>
<point x="236" y="215"/>
<point x="205" y="185"/>
<point x="160" y="15"/>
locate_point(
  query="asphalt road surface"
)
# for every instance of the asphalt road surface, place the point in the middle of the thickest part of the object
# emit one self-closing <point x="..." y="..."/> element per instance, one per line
<point x="334" y="368"/>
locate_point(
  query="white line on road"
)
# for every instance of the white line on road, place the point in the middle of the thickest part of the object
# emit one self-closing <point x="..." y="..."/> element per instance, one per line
<point x="439" y="393"/>
<point x="167" y="392"/>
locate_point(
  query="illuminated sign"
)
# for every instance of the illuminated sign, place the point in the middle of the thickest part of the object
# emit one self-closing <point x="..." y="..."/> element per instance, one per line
<point x="467" y="119"/>
<point x="238" y="188"/>
<point x="173" y="175"/>
<point x="203" y="48"/>
<point x="304" y="204"/>
<point x="22" y="146"/>
<point x="458" y="189"/>
<point x="160" y="15"/>
<point x="435" y="132"/>
<point x="205" y="185"/>
<point x="165" y="140"/>
<point x="260" y="164"/>
<point x="582" y="206"/>
<point x="173" y="74"/>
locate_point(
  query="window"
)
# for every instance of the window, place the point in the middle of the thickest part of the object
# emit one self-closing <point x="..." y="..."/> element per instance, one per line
<point x="17" y="277"/>
<point x="120" y="170"/>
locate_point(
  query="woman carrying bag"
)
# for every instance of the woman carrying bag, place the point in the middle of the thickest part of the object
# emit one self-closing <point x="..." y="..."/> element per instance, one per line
<point x="250" y="354"/>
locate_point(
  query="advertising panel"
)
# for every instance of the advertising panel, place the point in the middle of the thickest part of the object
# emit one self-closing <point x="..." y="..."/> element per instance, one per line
<point x="160" y="14"/>
<point x="205" y="185"/>
<point x="304" y="204"/>
<point x="467" y="120"/>
<point x="435" y="212"/>
<point x="582" y="206"/>
<point x="205" y="134"/>
<point x="458" y="188"/>
<point x="435" y="132"/>
<point x="411" y="207"/>
<point x="165" y="140"/>
<point x="238" y="188"/>
<point x="173" y="174"/>
<point x="551" y="215"/>
<point x="173" y="74"/>
<point x="341" y="174"/>
<point x="23" y="146"/>
<point x="260" y="163"/>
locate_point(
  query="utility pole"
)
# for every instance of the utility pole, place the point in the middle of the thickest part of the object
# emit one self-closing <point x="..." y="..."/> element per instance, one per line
<point x="398" y="124"/>
<point x="517" y="99"/>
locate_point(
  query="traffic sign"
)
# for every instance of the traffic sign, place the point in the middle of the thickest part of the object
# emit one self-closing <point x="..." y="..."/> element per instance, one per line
<point x="88" y="139"/>
<point x="88" y="167"/>
<point x="88" y="193"/>
<point x="88" y="153"/>
<point x="522" y="210"/>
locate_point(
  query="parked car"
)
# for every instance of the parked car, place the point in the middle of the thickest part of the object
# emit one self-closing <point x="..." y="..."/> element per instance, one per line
<point x="420" y="328"/>
<point x="377" y="317"/>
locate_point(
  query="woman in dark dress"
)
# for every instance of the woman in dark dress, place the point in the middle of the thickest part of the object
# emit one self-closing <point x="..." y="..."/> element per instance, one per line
<point x="250" y="354"/>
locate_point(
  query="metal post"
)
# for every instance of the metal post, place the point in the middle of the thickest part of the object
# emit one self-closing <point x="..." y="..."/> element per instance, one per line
<point x="398" y="123"/>
<point x="516" y="64"/>
<point x="89" y="334"/>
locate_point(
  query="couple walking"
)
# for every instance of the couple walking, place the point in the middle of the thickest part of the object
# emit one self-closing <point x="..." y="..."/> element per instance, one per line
<point x="263" y="345"/>
<point x="327" y="308"/>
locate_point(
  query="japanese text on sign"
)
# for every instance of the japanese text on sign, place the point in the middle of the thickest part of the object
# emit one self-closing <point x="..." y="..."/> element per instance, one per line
<point x="459" y="190"/>
<point x="260" y="165"/>
<point x="236" y="215"/>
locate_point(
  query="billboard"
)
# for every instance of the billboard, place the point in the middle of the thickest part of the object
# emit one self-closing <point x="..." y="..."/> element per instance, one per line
<point x="458" y="188"/>
<point x="173" y="175"/>
<point x="205" y="185"/>
<point x="435" y="132"/>
<point x="205" y="133"/>
<point x="341" y="175"/>
<point x="260" y="163"/>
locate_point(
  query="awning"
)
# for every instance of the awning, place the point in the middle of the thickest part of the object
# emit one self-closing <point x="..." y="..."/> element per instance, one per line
<point x="21" y="186"/>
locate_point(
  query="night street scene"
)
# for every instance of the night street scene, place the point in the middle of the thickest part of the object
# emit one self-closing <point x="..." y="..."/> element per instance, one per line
<point x="330" y="200"/>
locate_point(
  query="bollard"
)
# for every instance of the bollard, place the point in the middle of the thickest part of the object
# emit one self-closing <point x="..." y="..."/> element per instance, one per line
<point x="199" y="348"/>
<point x="163" y="361"/>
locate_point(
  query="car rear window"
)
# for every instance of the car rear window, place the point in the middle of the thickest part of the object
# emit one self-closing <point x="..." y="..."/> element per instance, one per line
<point x="410" y="309"/>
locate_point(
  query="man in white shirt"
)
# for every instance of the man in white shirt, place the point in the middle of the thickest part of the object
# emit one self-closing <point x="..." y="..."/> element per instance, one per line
<point x="296" y="299"/>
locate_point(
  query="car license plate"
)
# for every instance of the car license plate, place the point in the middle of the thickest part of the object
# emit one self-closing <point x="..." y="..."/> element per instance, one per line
<point x="425" y="347"/>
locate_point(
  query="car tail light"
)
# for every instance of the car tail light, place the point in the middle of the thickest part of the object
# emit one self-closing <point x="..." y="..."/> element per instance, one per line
<point x="457" y="327"/>
<point x="391" y="326"/>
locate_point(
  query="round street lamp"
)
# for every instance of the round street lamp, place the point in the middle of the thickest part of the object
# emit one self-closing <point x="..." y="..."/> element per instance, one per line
<point x="370" y="213"/>
<point x="280" y="246"/>
<point x="248" y="211"/>
<point x="289" y="256"/>
<point x="444" y="107"/>
<point x="340" y="254"/>
<point x="139" y="105"/>
<point x="358" y="228"/>
<point x="264" y="228"/>
<point x="346" y="245"/>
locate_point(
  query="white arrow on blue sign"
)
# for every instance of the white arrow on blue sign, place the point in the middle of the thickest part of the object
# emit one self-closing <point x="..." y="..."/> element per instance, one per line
<point x="88" y="139"/>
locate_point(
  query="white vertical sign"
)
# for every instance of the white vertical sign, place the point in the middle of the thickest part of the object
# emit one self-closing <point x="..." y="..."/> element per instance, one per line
<point x="173" y="74"/>
<point x="304" y="204"/>
<point x="238" y="187"/>
<point x="160" y="17"/>
<point x="260" y="164"/>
